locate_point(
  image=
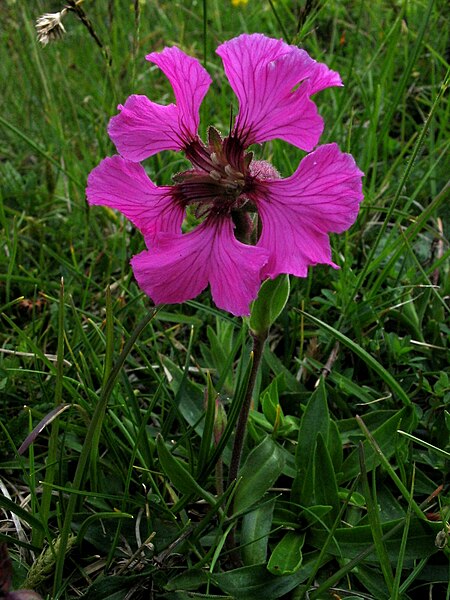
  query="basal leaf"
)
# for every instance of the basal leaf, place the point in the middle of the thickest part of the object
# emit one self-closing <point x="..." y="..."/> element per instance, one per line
<point x="255" y="582"/>
<point x="325" y="486"/>
<point x="256" y="526"/>
<point x="178" y="473"/>
<point x="287" y="555"/>
<point x="315" y="420"/>
<point x="385" y="436"/>
<point x="262" y="468"/>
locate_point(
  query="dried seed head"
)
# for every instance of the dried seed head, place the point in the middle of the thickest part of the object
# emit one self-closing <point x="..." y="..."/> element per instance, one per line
<point x="49" y="27"/>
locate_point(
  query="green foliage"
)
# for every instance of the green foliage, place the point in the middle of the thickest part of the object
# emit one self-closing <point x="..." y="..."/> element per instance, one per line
<point x="348" y="444"/>
<point x="271" y="300"/>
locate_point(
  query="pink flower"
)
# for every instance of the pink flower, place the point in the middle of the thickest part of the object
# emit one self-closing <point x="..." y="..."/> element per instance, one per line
<point x="226" y="187"/>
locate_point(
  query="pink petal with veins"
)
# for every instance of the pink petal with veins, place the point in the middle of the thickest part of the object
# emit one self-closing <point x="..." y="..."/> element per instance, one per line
<point x="264" y="73"/>
<point x="125" y="186"/>
<point x="143" y="128"/>
<point x="297" y="213"/>
<point x="178" y="268"/>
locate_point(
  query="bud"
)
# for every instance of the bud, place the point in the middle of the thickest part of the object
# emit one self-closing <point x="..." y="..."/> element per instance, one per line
<point x="220" y="421"/>
<point x="271" y="300"/>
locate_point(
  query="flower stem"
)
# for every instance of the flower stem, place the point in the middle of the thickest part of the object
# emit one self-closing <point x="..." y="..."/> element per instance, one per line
<point x="239" y="436"/>
<point x="241" y="428"/>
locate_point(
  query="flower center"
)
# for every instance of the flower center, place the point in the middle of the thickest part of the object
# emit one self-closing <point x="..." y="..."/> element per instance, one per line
<point x="219" y="179"/>
<point x="223" y="181"/>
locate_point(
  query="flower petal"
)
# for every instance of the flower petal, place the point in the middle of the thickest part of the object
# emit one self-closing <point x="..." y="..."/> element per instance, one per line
<point x="125" y="186"/>
<point x="190" y="82"/>
<point x="143" y="128"/>
<point x="263" y="73"/>
<point x="297" y="213"/>
<point x="178" y="268"/>
<point x="235" y="271"/>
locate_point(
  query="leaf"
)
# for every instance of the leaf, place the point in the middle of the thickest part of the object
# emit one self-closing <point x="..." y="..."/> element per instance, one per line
<point x="373" y="514"/>
<point x="270" y="402"/>
<point x="262" y="468"/>
<point x="325" y="486"/>
<point x="98" y="516"/>
<point x="440" y="451"/>
<point x="24" y="515"/>
<point x="111" y="587"/>
<point x="49" y="417"/>
<point x="385" y="435"/>
<point x="271" y="300"/>
<point x="256" y="526"/>
<point x="350" y="541"/>
<point x="287" y="557"/>
<point x="388" y="379"/>
<point x="278" y="368"/>
<point x="315" y="420"/>
<point x="189" y="395"/>
<point x="208" y="425"/>
<point x="189" y="580"/>
<point x="178" y="474"/>
<point x="335" y="446"/>
<point x="255" y="582"/>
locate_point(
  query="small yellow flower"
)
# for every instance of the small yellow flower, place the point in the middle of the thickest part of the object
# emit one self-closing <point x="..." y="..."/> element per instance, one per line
<point x="238" y="2"/>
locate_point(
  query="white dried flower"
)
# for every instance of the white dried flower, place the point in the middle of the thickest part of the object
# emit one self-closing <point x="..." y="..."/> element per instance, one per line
<point x="49" y="27"/>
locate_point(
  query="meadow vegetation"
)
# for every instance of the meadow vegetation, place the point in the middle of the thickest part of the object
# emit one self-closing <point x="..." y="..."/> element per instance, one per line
<point x="344" y="480"/>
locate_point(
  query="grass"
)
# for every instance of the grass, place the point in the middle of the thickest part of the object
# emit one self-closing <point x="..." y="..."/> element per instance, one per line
<point x="345" y="469"/>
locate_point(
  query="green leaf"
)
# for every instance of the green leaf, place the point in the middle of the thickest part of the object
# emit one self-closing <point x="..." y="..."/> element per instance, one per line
<point x="189" y="580"/>
<point x="222" y="351"/>
<point x="335" y="446"/>
<point x="315" y="420"/>
<point x="256" y="526"/>
<point x="271" y="300"/>
<point x="389" y="379"/>
<point x="315" y="514"/>
<point x="262" y="468"/>
<point x="385" y="436"/>
<point x="325" y="486"/>
<point x="440" y="451"/>
<point x="255" y="582"/>
<point x="208" y="427"/>
<point x="270" y="402"/>
<point x="351" y="541"/>
<point x="373" y="514"/>
<point x="98" y="516"/>
<point x="278" y="368"/>
<point x="287" y="557"/>
<point x="178" y="474"/>
<point x="20" y="512"/>
<point x="111" y="587"/>
<point x="189" y="395"/>
<point x="447" y="419"/>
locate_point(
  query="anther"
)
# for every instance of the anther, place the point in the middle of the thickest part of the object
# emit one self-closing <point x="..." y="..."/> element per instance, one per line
<point x="214" y="159"/>
<point x="231" y="186"/>
<point x="232" y="173"/>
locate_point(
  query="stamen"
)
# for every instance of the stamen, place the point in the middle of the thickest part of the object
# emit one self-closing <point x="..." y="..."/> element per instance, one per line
<point x="231" y="186"/>
<point x="214" y="159"/>
<point x="232" y="173"/>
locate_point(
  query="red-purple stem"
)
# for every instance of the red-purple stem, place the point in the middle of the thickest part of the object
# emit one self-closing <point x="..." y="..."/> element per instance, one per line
<point x="241" y="428"/>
